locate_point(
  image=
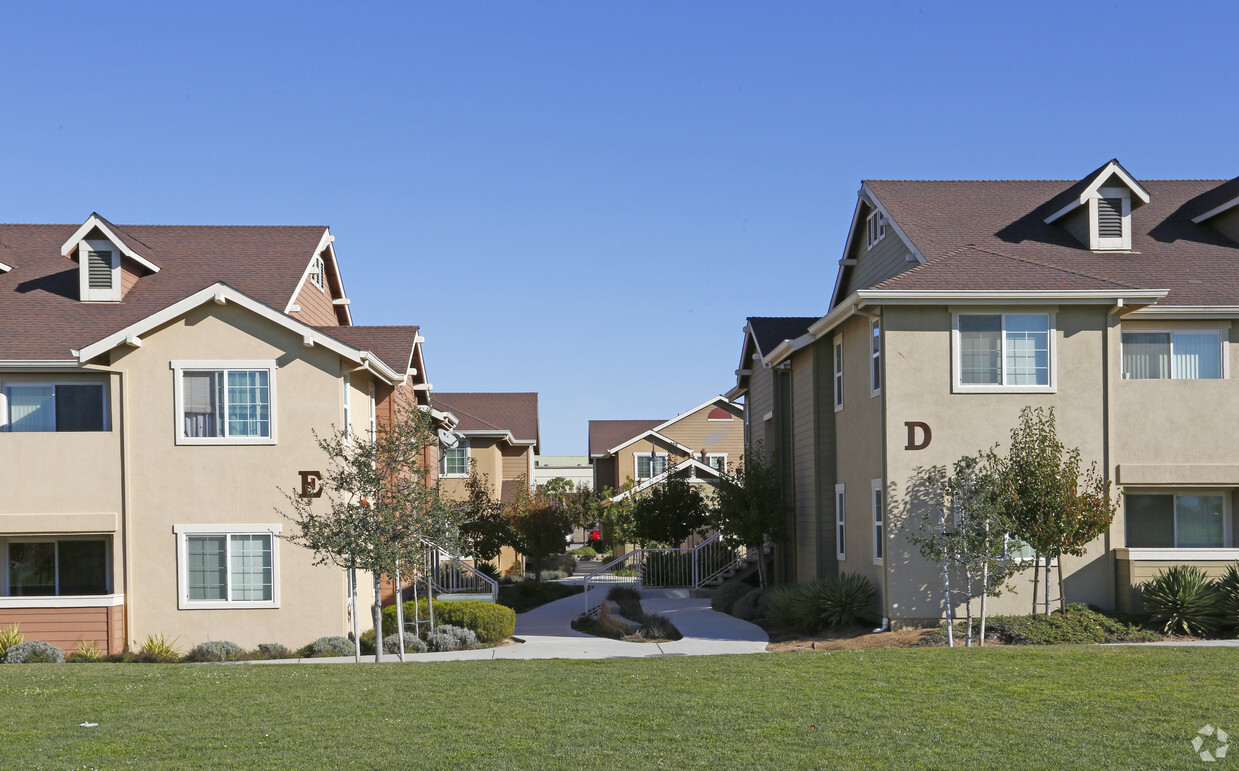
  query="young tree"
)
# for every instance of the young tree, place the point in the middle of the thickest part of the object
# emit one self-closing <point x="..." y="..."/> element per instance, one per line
<point x="484" y="528"/>
<point x="379" y="504"/>
<point x="748" y="506"/>
<point x="539" y="524"/>
<point x="669" y="512"/>
<point x="1054" y="508"/>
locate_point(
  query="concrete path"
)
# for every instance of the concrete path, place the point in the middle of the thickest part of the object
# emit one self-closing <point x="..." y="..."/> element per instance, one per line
<point x="548" y="634"/>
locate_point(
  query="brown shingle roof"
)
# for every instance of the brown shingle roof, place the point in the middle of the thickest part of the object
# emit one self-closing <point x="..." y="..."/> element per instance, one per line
<point x="605" y="434"/>
<point x="770" y="331"/>
<point x="393" y="345"/>
<point x="43" y="318"/>
<point x="1015" y="249"/>
<point x="514" y="412"/>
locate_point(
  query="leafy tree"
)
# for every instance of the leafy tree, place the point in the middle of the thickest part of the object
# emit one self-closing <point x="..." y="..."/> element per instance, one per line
<point x="748" y="505"/>
<point x="964" y="526"/>
<point x="377" y="503"/>
<point x="484" y="528"/>
<point x="669" y="512"/>
<point x="615" y="517"/>
<point x="1054" y="508"/>
<point x="539" y="524"/>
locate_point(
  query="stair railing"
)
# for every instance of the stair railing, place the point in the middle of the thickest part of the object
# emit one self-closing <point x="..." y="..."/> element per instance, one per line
<point x="683" y="568"/>
<point x="452" y="575"/>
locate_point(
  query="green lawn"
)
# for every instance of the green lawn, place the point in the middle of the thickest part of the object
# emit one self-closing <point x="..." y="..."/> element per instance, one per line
<point x="979" y="708"/>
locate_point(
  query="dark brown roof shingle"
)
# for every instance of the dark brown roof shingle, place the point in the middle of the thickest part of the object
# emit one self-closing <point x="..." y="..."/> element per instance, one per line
<point x="393" y="345"/>
<point x="514" y="412"/>
<point x="605" y="434"/>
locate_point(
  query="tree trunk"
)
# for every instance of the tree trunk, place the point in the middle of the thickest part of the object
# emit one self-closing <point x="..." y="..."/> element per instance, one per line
<point x="399" y="610"/>
<point x="377" y="611"/>
<point x="1036" y="572"/>
<point x="950" y="611"/>
<point x="761" y="566"/>
<point x="1047" y="584"/>
<point x="984" y="594"/>
<point x="968" y="588"/>
<point x="352" y="583"/>
<point x="1062" y="590"/>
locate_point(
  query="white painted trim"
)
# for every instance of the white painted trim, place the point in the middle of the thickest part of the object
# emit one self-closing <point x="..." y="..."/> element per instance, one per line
<point x="41" y="363"/>
<point x="650" y="434"/>
<point x="87" y="293"/>
<point x="838" y="384"/>
<point x="182" y="565"/>
<point x="875" y="389"/>
<point x="878" y="540"/>
<point x="1216" y="210"/>
<point x="1186" y="311"/>
<point x="712" y="455"/>
<point x="693" y="462"/>
<point x="1175" y="555"/>
<point x="63" y="601"/>
<point x="636" y="464"/>
<point x="958" y="387"/>
<point x="1103" y="176"/>
<point x="94" y="222"/>
<point x="891" y="223"/>
<point x="5" y="268"/>
<point x="1064" y="297"/>
<point x="179" y="367"/>
<point x="221" y="293"/>
<point x="463" y="444"/>
<point x="1096" y="242"/>
<point x="840" y="522"/>
<point x="872" y="239"/>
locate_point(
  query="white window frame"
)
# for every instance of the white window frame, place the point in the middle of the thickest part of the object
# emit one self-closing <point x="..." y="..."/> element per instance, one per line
<point x="875" y="228"/>
<point x="1096" y="242"/>
<point x="4" y="402"/>
<point x="348" y="409"/>
<point x="461" y="444"/>
<point x="710" y="456"/>
<point x="374" y="416"/>
<point x="181" y="367"/>
<point x="85" y="292"/>
<point x="875" y="358"/>
<point x="182" y="562"/>
<point x="840" y="523"/>
<point x="1051" y="352"/>
<point x="318" y="273"/>
<point x="837" y="367"/>
<point x="1228" y="520"/>
<point x="1223" y="349"/>
<point x="57" y="539"/>
<point x="877" y="506"/>
<point x="636" y="464"/>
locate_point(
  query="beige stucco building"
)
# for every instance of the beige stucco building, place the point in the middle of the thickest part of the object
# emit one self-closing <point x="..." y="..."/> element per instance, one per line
<point x="160" y="387"/>
<point x="957" y="304"/>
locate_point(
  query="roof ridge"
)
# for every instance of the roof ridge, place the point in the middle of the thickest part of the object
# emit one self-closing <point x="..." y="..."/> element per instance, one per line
<point x="1066" y="181"/>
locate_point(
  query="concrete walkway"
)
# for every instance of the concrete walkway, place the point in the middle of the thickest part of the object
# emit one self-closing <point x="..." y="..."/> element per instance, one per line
<point x="548" y="634"/>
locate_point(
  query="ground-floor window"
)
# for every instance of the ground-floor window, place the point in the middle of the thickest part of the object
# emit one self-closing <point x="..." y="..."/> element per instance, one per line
<point x="53" y="567"/>
<point x="1199" y="520"/>
<point x="228" y="569"/>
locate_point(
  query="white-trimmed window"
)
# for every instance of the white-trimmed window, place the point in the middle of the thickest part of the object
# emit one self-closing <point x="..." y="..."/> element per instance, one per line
<point x="454" y="461"/>
<point x="875" y="357"/>
<point x="1200" y="519"/>
<point x="41" y="566"/>
<point x="348" y="409"/>
<point x="838" y="379"/>
<point x="1004" y="352"/>
<point x="840" y="523"/>
<point x="374" y="416"/>
<point x="875" y="229"/>
<point x="225" y="402"/>
<point x="1172" y="355"/>
<point x="717" y="461"/>
<point x="648" y="465"/>
<point x="55" y="407"/>
<point x="227" y="566"/>
<point x="318" y="273"/>
<point x="98" y="271"/>
<point x="879" y="521"/>
<point x="1110" y="219"/>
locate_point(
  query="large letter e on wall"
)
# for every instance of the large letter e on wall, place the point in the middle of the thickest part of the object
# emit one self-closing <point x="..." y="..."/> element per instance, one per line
<point x="926" y="435"/>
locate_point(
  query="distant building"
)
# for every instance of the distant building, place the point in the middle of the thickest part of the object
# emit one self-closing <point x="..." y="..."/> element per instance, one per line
<point x="574" y="468"/>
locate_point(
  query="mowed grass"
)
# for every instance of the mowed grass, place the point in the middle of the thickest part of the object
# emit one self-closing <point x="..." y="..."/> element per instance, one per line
<point x="934" y="708"/>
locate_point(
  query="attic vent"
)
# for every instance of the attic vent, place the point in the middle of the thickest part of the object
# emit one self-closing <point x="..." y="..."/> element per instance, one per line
<point x="1110" y="218"/>
<point x="875" y="229"/>
<point x="100" y="267"/>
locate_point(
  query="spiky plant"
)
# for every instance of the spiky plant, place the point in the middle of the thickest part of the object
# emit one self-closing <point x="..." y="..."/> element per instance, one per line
<point x="10" y="637"/>
<point x="1228" y="587"/>
<point x="783" y="606"/>
<point x="87" y="650"/>
<point x="160" y="647"/>
<point x="846" y="600"/>
<point x="1181" y="600"/>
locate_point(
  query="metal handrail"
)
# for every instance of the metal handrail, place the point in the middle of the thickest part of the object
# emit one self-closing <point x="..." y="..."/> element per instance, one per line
<point x="597" y="576"/>
<point x="666" y="568"/>
<point x="459" y="576"/>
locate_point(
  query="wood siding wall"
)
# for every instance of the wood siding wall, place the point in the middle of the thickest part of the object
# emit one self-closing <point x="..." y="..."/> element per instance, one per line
<point x="515" y="461"/>
<point x="128" y="276"/>
<point x="887" y="258"/>
<point x="826" y="454"/>
<point x="803" y="466"/>
<point x="316" y="307"/>
<point x="66" y="628"/>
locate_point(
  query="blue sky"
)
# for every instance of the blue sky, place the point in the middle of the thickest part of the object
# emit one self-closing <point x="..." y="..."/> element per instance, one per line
<point x="586" y="199"/>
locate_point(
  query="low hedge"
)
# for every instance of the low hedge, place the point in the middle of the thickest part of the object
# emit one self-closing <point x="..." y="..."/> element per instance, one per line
<point x="489" y="621"/>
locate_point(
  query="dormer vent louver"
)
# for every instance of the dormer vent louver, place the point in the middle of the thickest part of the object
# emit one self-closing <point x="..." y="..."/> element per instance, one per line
<point x="100" y="267"/>
<point x="1110" y="217"/>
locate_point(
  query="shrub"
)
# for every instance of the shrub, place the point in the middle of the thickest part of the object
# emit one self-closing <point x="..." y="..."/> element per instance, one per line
<point x="1181" y="599"/>
<point x="560" y="563"/>
<point x="160" y="648"/>
<point x="10" y="637"/>
<point x="325" y="647"/>
<point x="367" y="641"/>
<point x="629" y="601"/>
<point x="726" y="596"/>
<point x="486" y="569"/>
<point x="783" y="606"/>
<point x="1228" y="587"/>
<point x="658" y="628"/>
<point x="451" y="638"/>
<point x="85" y="652"/>
<point x="34" y="652"/>
<point x="1078" y="624"/>
<point x="584" y="551"/>
<point x="752" y="606"/>
<point x="422" y="605"/>
<point x="215" y="650"/>
<point x="490" y="622"/>
<point x="556" y="575"/>
<point x="412" y="643"/>
<point x="273" y="651"/>
<point x="846" y="600"/>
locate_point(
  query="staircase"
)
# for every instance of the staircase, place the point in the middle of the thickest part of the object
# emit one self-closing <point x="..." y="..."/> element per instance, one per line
<point x="742" y="568"/>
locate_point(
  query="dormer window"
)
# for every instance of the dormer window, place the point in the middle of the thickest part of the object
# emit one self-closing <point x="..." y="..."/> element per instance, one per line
<point x="99" y="272"/>
<point x="875" y="229"/>
<point x="1110" y="219"/>
<point x="318" y="273"/>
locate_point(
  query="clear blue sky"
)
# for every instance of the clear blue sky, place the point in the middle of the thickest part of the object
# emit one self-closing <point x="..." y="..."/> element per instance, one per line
<point x="586" y="199"/>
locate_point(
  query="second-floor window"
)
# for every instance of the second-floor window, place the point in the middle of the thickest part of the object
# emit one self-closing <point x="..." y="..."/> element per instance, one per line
<point x="455" y="462"/>
<point x="997" y="351"/>
<point x="55" y="407"/>
<point x="1172" y="355"/>
<point x="225" y="405"/>
<point x="650" y="465"/>
<point x="717" y="461"/>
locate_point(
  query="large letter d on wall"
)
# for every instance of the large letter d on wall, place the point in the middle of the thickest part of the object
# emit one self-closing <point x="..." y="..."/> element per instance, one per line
<point x="926" y="435"/>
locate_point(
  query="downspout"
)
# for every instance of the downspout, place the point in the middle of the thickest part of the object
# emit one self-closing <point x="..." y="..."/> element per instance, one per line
<point x="125" y="507"/>
<point x="1115" y="313"/>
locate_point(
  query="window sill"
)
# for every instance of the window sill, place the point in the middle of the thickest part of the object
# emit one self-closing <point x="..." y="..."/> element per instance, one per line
<point x="969" y="389"/>
<point x="1178" y="553"/>
<point x="225" y="605"/>
<point x="453" y="476"/>
<point x="63" y="601"/>
<point x="223" y="440"/>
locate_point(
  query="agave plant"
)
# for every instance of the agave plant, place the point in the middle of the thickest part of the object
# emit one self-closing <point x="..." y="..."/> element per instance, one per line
<point x="1228" y="586"/>
<point x="1182" y="600"/>
<point x="846" y="600"/>
<point x="159" y="646"/>
<point x="10" y="637"/>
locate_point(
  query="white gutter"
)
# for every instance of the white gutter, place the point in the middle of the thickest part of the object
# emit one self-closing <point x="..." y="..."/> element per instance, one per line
<point x="1007" y="297"/>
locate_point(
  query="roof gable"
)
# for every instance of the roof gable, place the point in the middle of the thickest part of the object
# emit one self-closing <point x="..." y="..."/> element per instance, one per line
<point x="511" y="415"/>
<point x="1110" y="173"/>
<point x="130" y="246"/>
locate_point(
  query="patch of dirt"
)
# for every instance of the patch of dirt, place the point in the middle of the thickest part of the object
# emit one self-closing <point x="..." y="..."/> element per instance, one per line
<point x="844" y="639"/>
